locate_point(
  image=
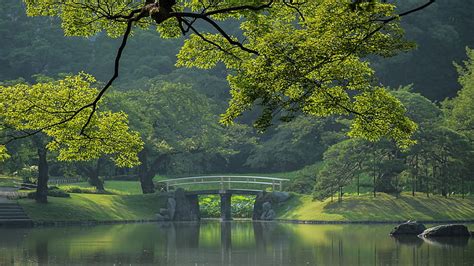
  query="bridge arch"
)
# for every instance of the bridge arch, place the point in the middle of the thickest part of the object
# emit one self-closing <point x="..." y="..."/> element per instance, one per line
<point x="225" y="186"/>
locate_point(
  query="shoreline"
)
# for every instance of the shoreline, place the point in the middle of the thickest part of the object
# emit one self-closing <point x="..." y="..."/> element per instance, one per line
<point x="86" y="223"/>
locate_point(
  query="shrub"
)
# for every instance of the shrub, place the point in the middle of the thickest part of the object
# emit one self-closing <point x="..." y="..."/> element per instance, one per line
<point x="54" y="192"/>
<point x="85" y="190"/>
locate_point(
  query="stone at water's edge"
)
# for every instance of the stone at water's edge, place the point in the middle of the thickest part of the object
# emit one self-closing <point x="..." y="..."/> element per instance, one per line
<point x="268" y="212"/>
<point x="187" y="206"/>
<point x="274" y="199"/>
<point x="408" y="228"/>
<point x="180" y="207"/>
<point x="449" y="230"/>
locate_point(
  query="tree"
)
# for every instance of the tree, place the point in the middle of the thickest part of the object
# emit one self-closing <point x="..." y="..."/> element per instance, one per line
<point x="43" y="110"/>
<point x="295" y="144"/>
<point x="459" y="111"/>
<point x="180" y="130"/>
<point x="343" y="162"/>
<point x="298" y="56"/>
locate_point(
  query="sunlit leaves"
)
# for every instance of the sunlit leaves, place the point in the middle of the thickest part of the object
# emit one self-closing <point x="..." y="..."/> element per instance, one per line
<point x="51" y="108"/>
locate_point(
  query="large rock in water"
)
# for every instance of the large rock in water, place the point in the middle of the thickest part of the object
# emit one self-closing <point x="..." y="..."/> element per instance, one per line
<point x="452" y="230"/>
<point x="273" y="199"/>
<point x="408" y="228"/>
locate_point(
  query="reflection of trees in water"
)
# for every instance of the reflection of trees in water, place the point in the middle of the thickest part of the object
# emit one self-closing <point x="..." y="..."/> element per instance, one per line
<point x="408" y="240"/>
<point x="229" y="243"/>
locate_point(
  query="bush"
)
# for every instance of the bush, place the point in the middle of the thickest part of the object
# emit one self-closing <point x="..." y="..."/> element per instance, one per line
<point x="54" y="192"/>
<point x="85" y="190"/>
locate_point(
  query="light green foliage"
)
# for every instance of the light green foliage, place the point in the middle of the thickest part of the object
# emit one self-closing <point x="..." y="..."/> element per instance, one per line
<point x="242" y="206"/>
<point x="45" y="106"/>
<point x="308" y="59"/>
<point x="311" y="66"/>
<point x="84" y="18"/>
<point x="460" y="110"/>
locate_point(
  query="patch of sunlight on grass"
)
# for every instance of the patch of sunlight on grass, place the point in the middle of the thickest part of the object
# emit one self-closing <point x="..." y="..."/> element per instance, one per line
<point x="95" y="207"/>
<point x="382" y="208"/>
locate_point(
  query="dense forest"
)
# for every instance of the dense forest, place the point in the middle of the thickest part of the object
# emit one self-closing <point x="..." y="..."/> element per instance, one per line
<point x="176" y="111"/>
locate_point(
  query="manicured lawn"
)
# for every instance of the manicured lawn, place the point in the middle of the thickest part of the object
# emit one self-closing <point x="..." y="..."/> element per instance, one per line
<point x="95" y="207"/>
<point x="382" y="208"/>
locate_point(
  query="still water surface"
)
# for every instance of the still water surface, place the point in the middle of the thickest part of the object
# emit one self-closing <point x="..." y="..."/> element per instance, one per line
<point x="231" y="243"/>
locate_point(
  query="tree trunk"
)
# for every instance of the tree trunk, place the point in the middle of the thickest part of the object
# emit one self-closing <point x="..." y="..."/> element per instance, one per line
<point x="145" y="174"/>
<point x="42" y="186"/>
<point x="358" y="185"/>
<point x="340" y="194"/>
<point x="375" y="187"/>
<point x="94" y="179"/>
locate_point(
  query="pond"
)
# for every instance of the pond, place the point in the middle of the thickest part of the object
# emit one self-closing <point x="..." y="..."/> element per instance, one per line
<point x="228" y="243"/>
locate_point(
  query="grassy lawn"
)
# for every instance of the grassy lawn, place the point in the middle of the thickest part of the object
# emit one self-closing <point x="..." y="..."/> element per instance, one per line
<point x="95" y="207"/>
<point x="383" y="208"/>
<point x="8" y="181"/>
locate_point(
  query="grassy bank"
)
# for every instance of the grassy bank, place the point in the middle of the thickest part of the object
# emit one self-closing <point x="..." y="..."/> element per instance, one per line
<point x="382" y="208"/>
<point x="82" y="207"/>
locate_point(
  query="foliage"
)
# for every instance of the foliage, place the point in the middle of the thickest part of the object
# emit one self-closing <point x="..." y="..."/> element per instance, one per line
<point x="297" y="71"/>
<point x="52" y="192"/>
<point x="242" y="206"/>
<point x="459" y="111"/>
<point x="296" y="144"/>
<point x="112" y="187"/>
<point x="304" y="180"/>
<point x="441" y="32"/>
<point x="28" y="174"/>
<point x="305" y="59"/>
<point x="36" y="108"/>
<point x="85" y="190"/>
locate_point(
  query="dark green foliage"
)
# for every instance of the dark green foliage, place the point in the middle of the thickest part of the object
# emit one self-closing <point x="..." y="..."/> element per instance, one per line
<point x="441" y="32"/>
<point x="304" y="180"/>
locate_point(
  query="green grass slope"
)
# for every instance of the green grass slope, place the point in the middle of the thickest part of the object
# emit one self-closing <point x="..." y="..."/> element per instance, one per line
<point x="84" y="207"/>
<point x="382" y="208"/>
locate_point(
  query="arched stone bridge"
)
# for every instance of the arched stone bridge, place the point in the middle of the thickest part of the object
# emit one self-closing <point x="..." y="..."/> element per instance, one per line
<point x="225" y="186"/>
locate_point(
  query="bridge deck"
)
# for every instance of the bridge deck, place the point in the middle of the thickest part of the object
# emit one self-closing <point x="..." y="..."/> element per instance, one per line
<point x="239" y="184"/>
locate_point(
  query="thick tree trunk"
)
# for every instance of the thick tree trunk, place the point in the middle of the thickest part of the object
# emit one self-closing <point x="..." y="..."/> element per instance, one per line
<point x="42" y="188"/>
<point x="94" y="179"/>
<point x="145" y="174"/>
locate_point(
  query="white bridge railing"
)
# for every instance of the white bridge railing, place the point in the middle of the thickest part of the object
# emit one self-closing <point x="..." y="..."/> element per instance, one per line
<point x="226" y="182"/>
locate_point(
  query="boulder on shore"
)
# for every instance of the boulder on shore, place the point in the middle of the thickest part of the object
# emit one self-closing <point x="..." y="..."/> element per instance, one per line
<point x="448" y="230"/>
<point x="408" y="228"/>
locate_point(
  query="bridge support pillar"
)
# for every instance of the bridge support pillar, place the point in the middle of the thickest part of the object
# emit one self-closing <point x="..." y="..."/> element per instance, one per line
<point x="226" y="209"/>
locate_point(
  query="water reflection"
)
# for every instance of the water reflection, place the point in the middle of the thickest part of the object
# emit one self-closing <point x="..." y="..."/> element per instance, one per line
<point x="228" y="243"/>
